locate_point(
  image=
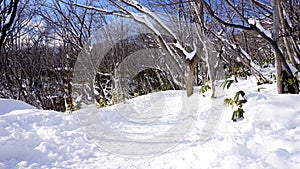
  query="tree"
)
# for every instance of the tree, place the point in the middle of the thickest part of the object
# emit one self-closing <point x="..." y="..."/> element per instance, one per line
<point x="276" y="31"/>
<point x="40" y="46"/>
<point x="73" y="33"/>
<point x="174" y="48"/>
<point x="8" y="13"/>
<point x="286" y="81"/>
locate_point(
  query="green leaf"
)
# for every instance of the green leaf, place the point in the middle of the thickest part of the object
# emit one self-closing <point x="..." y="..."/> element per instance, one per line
<point x="204" y="88"/>
<point x="241" y="102"/>
<point x="261" y="88"/>
<point x="265" y="61"/>
<point x="296" y="74"/>
<point x="237" y="95"/>
<point x="227" y="84"/>
<point x="290" y="81"/>
<point x="229" y="101"/>
<point x="238" y="115"/>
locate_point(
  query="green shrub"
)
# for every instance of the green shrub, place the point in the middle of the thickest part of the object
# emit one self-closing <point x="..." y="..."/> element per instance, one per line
<point x="239" y="100"/>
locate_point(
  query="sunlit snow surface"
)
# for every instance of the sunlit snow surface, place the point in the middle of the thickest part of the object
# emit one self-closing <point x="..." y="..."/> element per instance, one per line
<point x="149" y="125"/>
<point x="268" y="137"/>
<point x="8" y="105"/>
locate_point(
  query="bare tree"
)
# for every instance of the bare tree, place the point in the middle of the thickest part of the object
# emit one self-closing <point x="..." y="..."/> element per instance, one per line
<point x="252" y="22"/>
<point x="73" y="27"/>
<point x="175" y="48"/>
<point x="8" y="13"/>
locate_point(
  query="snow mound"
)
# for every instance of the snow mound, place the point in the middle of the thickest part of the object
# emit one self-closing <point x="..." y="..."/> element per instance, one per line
<point x="8" y="105"/>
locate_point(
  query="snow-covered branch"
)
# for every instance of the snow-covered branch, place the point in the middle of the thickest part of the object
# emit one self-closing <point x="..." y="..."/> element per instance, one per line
<point x="114" y="12"/>
<point x="144" y="19"/>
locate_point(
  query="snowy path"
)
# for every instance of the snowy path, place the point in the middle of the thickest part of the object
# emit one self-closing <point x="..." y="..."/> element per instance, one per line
<point x="268" y="137"/>
<point x="150" y="125"/>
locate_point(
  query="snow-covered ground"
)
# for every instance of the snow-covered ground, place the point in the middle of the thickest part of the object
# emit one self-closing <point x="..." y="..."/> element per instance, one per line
<point x="268" y="137"/>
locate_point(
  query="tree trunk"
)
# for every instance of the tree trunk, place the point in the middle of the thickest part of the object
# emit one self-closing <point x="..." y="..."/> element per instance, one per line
<point x="276" y="30"/>
<point x="283" y="76"/>
<point x="286" y="39"/>
<point x="12" y="11"/>
<point x="190" y="79"/>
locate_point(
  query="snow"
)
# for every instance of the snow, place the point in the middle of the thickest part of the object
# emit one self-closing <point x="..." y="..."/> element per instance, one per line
<point x="251" y="21"/>
<point x="255" y="22"/>
<point x="262" y="29"/>
<point x="144" y="20"/>
<point x="7" y="20"/>
<point x="188" y="55"/>
<point x="287" y="17"/>
<point x="8" y="105"/>
<point x="268" y="137"/>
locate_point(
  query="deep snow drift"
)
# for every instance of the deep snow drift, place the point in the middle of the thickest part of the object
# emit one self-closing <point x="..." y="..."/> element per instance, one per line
<point x="268" y="137"/>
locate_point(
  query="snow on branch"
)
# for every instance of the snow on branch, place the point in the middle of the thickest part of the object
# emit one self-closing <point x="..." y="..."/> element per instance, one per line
<point x="114" y="12"/>
<point x="287" y="18"/>
<point x="262" y="5"/>
<point x="188" y="55"/>
<point x="256" y="23"/>
<point x="144" y="20"/>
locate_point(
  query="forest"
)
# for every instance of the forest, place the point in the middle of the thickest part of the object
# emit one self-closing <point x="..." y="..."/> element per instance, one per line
<point x="151" y="84"/>
<point x="42" y="42"/>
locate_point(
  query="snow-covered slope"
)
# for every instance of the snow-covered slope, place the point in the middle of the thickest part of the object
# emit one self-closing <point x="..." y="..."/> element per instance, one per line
<point x="8" y="105"/>
<point x="268" y="137"/>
